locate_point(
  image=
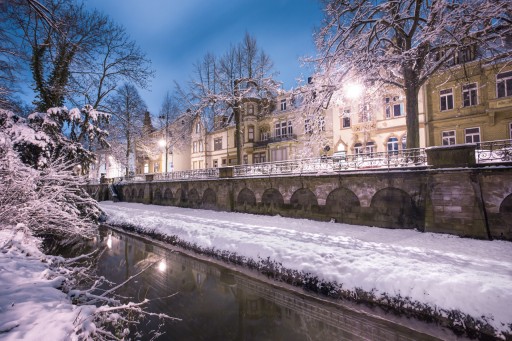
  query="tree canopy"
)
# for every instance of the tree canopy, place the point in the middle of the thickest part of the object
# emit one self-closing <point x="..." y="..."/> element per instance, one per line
<point x="404" y="42"/>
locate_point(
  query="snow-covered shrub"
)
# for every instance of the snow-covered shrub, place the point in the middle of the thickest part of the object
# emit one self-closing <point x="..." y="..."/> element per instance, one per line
<point x="50" y="199"/>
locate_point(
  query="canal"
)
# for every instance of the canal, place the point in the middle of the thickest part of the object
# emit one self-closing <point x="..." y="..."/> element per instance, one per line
<point x="214" y="302"/>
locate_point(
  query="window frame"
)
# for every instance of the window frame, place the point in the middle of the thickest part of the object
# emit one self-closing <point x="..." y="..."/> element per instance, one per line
<point x="393" y="143"/>
<point x="470" y="89"/>
<point x="472" y="135"/>
<point x="504" y="78"/>
<point x="283" y="104"/>
<point x="447" y="135"/>
<point x="446" y="96"/>
<point x="250" y="133"/>
<point x="217" y="143"/>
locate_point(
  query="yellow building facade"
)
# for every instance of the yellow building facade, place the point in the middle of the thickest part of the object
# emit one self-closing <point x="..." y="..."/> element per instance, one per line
<point x="470" y="103"/>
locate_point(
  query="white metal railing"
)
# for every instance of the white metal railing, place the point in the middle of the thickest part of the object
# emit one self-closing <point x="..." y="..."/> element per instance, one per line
<point x="189" y="174"/>
<point x="494" y="151"/>
<point x="486" y="152"/>
<point x="386" y="160"/>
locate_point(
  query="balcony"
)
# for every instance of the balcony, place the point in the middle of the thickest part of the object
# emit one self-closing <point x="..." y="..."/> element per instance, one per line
<point x="291" y="137"/>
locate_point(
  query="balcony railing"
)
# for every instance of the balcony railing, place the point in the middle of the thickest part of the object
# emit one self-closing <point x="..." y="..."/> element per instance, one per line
<point x="383" y="160"/>
<point x="275" y="139"/>
<point x="494" y="151"/>
<point x="486" y="152"/>
<point x="208" y="173"/>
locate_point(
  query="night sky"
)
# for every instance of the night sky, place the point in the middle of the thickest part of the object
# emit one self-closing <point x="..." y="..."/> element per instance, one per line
<point x="177" y="33"/>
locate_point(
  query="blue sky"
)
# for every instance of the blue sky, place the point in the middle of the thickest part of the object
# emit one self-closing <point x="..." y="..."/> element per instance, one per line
<point x="177" y="33"/>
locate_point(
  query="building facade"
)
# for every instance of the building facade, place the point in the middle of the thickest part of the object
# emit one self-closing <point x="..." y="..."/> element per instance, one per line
<point x="470" y="103"/>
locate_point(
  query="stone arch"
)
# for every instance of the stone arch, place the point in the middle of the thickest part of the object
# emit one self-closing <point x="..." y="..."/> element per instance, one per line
<point x="193" y="198"/>
<point x="134" y="194"/>
<point x="157" y="196"/>
<point x="393" y="208"/>
<point x="168" y="194"/>
<point x="246" y="197"/>
<point x="209" y="198"/>
<point x="177" y="197"/>
<point x="105" y="194"/>
<point x="343" y="205"/>
<point x="141" y="193"/>
<point x="272" y="197"/>
<point x="505" y="229"/>
<point x="127" y="194"/>
<point x="303" y="199"/>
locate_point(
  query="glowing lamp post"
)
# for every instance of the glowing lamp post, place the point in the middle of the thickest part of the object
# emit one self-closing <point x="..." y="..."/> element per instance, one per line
<point x="353" y="90"/>
<point x="163" y="143"/>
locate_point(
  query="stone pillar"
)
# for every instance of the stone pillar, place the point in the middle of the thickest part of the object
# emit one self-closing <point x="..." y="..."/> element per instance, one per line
<point x="226" y="172"/>
<point x="458" y="155"/>
<point x="148" y="195"/>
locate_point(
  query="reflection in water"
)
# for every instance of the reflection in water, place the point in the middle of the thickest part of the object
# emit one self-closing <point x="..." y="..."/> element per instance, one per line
<point x="215" y="303"/>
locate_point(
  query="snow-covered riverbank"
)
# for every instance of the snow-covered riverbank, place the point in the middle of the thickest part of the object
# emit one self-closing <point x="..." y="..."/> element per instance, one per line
<point x="446" y="272"/>
<point x="31" y="305"/>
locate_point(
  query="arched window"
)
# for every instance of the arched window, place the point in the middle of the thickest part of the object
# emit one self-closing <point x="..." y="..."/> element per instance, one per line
<point x="392" y="145"/>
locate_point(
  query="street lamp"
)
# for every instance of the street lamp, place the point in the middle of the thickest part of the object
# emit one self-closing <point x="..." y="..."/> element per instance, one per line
<point x="353" y="90"/>
<point x="163" y="143"/>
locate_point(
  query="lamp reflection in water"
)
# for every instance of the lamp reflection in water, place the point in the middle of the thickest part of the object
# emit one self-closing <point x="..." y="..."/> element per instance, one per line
<point x="162" y="265"/>
<point x="109" y="241"/>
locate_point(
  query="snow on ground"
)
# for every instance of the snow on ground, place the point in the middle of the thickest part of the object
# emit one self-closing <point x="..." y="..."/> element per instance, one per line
<point x="473" y="276"/>
<point x="31" y="306"/>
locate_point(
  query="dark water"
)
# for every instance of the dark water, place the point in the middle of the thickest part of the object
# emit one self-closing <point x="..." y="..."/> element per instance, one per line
<point x="215" y="303"/>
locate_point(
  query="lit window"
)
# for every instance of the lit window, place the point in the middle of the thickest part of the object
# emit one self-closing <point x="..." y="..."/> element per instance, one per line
<point x="194" y="148"/>
<point x="504" y="84"/>
<point x="446" y="99"/>
<point x="469" y="95"/>
<point x="448" y="137"/>
<point x="472" y="135"/>
<point x="146" y="168"/>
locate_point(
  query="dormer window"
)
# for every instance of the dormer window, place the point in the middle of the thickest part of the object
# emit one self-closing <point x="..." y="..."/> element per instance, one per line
<point x="283" y="104"/>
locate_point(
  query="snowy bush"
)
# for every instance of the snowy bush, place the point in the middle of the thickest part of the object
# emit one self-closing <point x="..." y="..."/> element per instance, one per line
<point x="48" y="199"/>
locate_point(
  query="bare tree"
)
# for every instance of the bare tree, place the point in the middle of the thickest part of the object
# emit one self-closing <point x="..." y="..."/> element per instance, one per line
<point x="114" y="60"/>
<point x="128" y="112"/>
<point x="221" y="84"/>
<point x="404" y="42"/>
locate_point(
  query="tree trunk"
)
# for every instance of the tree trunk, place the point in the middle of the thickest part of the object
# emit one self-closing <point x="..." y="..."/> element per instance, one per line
<point x="238" y="125"/>
<point x="412" y="112"/>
